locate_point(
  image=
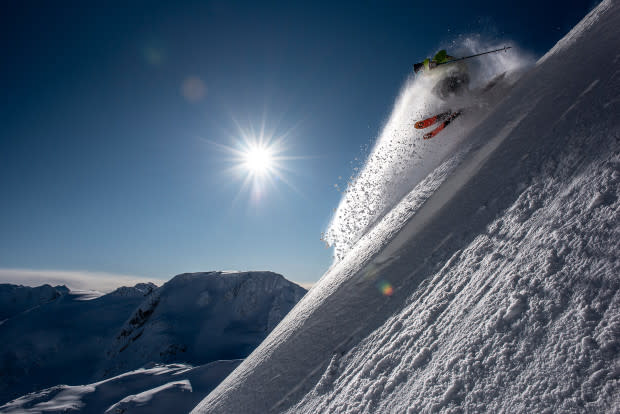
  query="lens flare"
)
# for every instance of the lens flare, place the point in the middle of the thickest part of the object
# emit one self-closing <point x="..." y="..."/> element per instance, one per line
<point x="154" y="56"/>
<point x="386" y="288"/>
<point x="193" y="89"/>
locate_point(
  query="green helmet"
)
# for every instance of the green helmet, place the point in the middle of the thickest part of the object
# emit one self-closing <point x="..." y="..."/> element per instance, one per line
<point x="441" y="56"/>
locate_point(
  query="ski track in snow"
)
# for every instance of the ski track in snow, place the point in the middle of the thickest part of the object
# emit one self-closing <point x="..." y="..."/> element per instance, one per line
<point x="503" y="263"/>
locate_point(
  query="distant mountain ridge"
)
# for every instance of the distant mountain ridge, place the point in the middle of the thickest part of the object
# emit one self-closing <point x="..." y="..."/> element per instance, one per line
<point x="139" y="290"/>
<point x="195" y="318"/>
<point x="15" y="299"/>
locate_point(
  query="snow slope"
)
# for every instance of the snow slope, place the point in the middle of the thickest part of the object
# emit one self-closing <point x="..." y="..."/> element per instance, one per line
<point x="492" y="286"/>
<point x="156" y="389"/>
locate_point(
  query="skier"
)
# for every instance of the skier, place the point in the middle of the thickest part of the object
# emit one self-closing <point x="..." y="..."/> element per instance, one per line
<point x="453" y="79"/>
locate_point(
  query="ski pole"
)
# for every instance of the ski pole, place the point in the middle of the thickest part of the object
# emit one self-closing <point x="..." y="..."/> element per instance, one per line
<point x="473" y="56"/>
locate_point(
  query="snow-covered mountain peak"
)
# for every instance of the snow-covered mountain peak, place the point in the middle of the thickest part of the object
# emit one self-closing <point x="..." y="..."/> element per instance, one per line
<point x="228" y="276"/>
<point x="202" y="317"/>
<point x="141" y="289"/>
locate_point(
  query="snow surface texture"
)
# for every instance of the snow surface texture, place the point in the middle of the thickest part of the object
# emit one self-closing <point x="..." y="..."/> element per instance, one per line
<point x="174" y="388"/>
<point x="500" y="268"/>
<point x="195" y="318"/>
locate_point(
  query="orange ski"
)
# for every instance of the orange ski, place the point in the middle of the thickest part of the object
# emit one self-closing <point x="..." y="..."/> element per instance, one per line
<point x="441" y="126"/>
<point x="425" y="123"/>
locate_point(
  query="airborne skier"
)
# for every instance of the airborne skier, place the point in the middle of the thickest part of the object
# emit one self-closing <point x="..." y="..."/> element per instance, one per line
<point x="452" y="80"/>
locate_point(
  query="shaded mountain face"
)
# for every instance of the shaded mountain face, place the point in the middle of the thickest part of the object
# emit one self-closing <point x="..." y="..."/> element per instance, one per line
<point x="59" y="342"/>
<point x="202" y="317"/>
<point x="15" y="299"/>
<point x="492" y="286"/>
<point x="171" y="388"/>
<point x="194" y="318"/>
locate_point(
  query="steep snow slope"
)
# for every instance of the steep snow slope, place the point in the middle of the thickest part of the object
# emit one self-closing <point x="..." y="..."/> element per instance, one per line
<point x="202" y="317"/>
<point x="157" y="389"/>
<point x="499" y="269"/>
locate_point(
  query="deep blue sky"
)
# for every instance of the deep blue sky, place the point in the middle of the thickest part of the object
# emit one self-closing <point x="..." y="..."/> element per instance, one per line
<point x="105" y="166"/>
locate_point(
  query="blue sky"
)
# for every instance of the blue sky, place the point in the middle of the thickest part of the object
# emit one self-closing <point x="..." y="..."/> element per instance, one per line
<point x="106" y="166"/>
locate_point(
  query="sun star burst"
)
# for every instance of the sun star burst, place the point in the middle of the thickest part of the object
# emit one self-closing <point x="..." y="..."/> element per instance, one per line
<point x="259" y="160"/>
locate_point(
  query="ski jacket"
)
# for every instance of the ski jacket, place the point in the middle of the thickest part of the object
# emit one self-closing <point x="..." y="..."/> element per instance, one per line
<point x="440" y="57"/>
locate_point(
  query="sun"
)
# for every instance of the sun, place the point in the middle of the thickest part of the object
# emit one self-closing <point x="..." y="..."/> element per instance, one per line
<point x="259" y="160"/>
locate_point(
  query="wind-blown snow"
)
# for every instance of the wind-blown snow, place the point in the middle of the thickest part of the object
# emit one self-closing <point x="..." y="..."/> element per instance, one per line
<point x="502" y="268"/>
<point x="400" y="159"/>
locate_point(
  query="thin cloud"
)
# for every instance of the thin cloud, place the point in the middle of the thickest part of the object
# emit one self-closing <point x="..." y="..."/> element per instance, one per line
<point x="74" y="279"/>
<point x="306" y="285"/>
